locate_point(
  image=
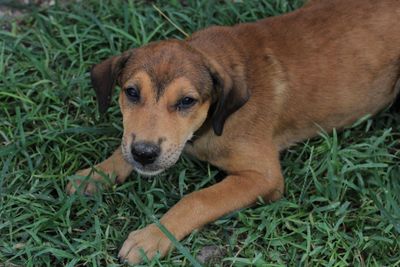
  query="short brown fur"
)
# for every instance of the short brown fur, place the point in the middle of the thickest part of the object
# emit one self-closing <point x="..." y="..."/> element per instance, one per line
<point x="260" y="87"/>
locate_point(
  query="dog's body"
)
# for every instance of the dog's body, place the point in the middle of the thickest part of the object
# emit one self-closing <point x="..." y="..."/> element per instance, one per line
<point x="310" y="63"/>
<point x="281" y="80"/>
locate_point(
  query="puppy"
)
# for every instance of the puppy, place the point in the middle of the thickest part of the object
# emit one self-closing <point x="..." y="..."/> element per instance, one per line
<point x="237" y="96"/>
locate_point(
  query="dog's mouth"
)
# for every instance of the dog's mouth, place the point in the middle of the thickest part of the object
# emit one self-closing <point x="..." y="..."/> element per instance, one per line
<point x="145" y="170"/>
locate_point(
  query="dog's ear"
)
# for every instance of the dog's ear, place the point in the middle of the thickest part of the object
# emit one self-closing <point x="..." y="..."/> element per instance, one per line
<point x="230" y="93"/>
<point x="104" y="77"/>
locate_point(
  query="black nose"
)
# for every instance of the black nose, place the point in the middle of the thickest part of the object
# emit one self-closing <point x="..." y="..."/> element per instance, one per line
<point x="145" y="153"/>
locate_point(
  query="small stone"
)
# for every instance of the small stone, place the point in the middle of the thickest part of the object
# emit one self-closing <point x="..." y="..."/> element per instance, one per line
<point x="210" y="254"/>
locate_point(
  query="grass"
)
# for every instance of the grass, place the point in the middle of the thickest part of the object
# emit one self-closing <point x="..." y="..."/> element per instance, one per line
<point x="342" y="200"/>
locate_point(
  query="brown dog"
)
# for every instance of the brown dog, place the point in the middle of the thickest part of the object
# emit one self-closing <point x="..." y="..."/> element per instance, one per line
<point x="236" y="96"/>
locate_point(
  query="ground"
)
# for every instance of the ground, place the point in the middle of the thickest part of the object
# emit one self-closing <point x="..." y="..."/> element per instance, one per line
<point x="341" y="205"/>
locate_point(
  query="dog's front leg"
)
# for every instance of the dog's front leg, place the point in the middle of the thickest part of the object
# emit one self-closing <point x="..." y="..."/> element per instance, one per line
<point x="199" y="208"/>
<point x="114" y="166"/>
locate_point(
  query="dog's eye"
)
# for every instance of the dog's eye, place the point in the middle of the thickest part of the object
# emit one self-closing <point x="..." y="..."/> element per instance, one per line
<point x="185" y="103"/>
<point x="133" y="94"/>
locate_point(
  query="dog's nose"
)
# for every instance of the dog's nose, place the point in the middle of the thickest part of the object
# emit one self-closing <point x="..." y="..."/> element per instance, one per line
<point x="145" y="153"/>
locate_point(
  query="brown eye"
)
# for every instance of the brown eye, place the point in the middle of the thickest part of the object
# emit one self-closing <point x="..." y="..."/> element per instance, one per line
<point x="185" y="103"/>
<point x="133" y="94"/>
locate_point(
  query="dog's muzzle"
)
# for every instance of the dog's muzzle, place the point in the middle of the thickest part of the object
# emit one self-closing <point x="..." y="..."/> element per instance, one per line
<point x="145" y="153"/>
<point x="148" y="158"/>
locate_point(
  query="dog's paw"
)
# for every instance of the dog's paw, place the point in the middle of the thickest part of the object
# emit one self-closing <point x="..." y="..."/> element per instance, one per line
<point x="149" y="241"/>
<point x="89" y="184"/>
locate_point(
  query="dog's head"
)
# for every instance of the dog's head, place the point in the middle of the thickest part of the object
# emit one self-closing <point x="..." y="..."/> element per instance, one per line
<point x="168" y="90"/>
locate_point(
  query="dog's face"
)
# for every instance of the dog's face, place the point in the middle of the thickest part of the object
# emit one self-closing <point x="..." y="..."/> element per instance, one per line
<point x="164" y="99"/>
<point x="167" y="90"/>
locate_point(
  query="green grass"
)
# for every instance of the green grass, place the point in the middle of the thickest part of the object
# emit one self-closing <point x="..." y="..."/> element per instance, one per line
<point x="342" y="200"/>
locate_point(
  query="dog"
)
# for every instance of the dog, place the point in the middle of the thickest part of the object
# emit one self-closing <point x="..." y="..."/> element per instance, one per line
<point x="237" y="96"/>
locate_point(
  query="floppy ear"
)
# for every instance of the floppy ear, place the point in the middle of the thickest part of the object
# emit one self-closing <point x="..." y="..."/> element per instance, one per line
<point x="104" y="77"/>
<point x="230" y="91"/>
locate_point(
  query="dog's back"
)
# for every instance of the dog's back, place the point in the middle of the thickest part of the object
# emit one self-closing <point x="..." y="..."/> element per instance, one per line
<point x="340" y="65"/>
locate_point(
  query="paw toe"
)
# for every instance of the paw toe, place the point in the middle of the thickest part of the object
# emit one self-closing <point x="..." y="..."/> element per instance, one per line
<point x="144" y="243"/>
